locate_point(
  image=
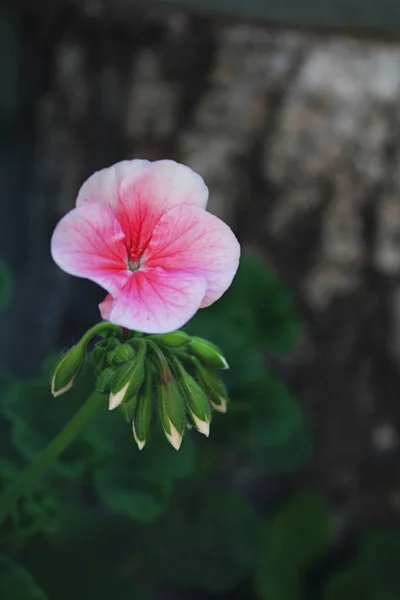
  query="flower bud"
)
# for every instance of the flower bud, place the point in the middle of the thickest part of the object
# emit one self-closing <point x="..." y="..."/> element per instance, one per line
<point x="219" y="399"/>
<point x="208" y="353"/>
<point x="97" y="356"/>
<point x="128" y="408"/>
<point x="175" y="339"/>
<point x="108" y="358"/>
<point x="122" y="354"/>
<point x="111" y="344"/>
<point x="144" y="414"/>
<point x="196" y="402"/>
<point x="213" y="387"/>
<point x="68" y="369"/>
<point x="172" y="411"/>
<point x="128" y="378"/>
<point x="105" y="380"/>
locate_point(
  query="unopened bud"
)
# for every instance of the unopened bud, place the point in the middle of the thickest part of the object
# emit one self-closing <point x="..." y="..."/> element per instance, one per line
<point x="68" y="369"/>
<point x="128" y="378"/>
<point x="208" y="353"/>
<point x="105" y="380"/>
<point x="175" y="339"/>
<point x="128" y="408"/>
<point x="108" y="358"/>
<point x="213" y="387"/>
<point x="111" y="344"/>
<point x="97" y="356"/>
<point x="122" y="354"/>
<point x="196" y="402"/>
<point x="144" y="414"/>
<point x="172" y="411"/>
<point x="219" y="403"/>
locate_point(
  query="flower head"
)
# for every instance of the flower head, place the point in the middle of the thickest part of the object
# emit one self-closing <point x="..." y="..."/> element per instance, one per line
<point x="141" y="231"/>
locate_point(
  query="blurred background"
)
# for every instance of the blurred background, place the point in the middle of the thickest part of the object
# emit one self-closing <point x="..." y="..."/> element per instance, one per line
<point x="291" y="113"/>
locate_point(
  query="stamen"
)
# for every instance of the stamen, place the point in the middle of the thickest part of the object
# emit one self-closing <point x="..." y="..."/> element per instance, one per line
<point x="135" y="254"/>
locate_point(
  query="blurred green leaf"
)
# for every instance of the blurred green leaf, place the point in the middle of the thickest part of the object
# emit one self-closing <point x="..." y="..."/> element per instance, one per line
<point x="276" y="415"/>
<point x="266" y="422"/>
<point x="263" y="417"/>
<point x="136" y="483"/>
<point x="36" y="418"/>
<point x="84" y="563"/>
<point x="16" y="583"/>
<point x="348" y="585"/>
<point x="207" y="542"/>
<point x="380" y="553"/>
<point x="277" y="437"/>
<point x="292" y="541"/>
<point x="375" y="574"/>
<point x="276" y="323"/>
<point x="294" y="454"/>
<point x="6" y="286"/>
<point x="36" y="511"/>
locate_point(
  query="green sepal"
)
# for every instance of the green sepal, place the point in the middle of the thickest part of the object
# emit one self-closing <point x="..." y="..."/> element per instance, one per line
<point x="122" y="354"/>
<point x="105" y="380"/>
<point x="212" y="386"/>
<point x="172" y="412"/>
<point x="197" y="403"/>
<point x="142" y="420"/>
<point x="129" y="377"/>
<point x="175" y="339"/>
<point x="208" y="353"/>
<point x="128" y="408"/>
<point x="97" y="356"/>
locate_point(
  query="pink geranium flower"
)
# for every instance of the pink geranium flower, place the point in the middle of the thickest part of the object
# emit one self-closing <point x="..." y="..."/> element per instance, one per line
<point x="140" y="230"/>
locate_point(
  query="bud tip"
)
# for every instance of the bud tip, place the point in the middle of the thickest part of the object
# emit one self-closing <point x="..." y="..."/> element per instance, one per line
<point x="140" y="443"/>
<point x="174" y="437"/>
<point x="222" y="407"/>
<point x="116" y="399"/>
<point x="60" y="390"/>
<point x="224" y="362"/>
<point x="201" y="426"/>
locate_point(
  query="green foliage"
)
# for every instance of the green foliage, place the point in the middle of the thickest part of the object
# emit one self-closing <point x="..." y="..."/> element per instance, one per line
<point x="138" y="484"/>
<point x="375" y="574"/>
<point x="264" y="419"/>
<point x="292" y="541"/>
<point x="16" y="583"/>
<point x="36" y="417"/>
<point x="84" y="560"/>
<point x="208" y="542"/>
<point x="37" y="511"/>
<point x="110" y="516"/>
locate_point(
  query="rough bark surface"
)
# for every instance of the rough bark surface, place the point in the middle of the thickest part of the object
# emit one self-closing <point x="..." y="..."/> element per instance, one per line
<point x="297" y="138"/>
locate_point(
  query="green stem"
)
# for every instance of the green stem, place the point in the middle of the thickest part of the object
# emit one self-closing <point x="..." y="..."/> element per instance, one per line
<point x="53" y="450"/>
<point x="97" y="329"/>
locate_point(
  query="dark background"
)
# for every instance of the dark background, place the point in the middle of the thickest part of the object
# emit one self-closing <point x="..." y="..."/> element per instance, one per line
<point x="296" y="132"/>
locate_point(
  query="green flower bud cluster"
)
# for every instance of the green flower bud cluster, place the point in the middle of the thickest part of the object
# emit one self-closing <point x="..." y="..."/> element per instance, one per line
<point x="171" y="375"/>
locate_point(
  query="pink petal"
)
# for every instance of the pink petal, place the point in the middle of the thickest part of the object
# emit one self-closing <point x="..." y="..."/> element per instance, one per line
<point x="168" y="183"/>
<point x="103" y="185"/>
<point x="143" y="201"/>
<point x="188" y="240"/>
<point x="89" y="242"/>
<point x="155" y="301"/>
